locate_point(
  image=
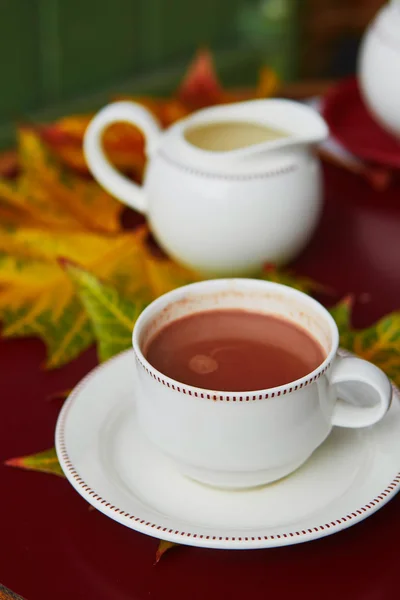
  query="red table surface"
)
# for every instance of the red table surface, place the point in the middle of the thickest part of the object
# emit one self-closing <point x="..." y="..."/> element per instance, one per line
<point x="54" y="547"/>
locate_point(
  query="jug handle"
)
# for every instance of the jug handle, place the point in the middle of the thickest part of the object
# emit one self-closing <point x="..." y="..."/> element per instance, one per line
<point x="109" y="178"/>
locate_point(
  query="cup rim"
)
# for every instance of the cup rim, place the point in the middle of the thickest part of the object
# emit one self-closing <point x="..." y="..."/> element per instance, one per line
<point x="211" y="394"/>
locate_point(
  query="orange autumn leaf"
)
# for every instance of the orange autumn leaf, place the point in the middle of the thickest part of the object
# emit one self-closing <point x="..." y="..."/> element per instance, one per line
<point x="12" y="216"/>
<point x="166" y="110"/>
<point x="163" y="547"/>
<point x="123" y="143"/>
<point x="8" y="163"/>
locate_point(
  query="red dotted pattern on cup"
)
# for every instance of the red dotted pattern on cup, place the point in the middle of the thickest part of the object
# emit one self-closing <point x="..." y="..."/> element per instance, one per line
<point x="227" y="397"/>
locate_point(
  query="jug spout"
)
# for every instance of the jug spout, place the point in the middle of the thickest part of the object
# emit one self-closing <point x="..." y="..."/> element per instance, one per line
<point x="302" y="122"/>
<point x="285" y="123"/>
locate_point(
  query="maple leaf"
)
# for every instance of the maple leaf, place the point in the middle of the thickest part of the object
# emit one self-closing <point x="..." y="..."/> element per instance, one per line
<point x="44" y="462"/>
<point x="163" y="547"/>
<point x="45" y="183"/>
<point x="379" y="344"/>
<point x="341" y="312"/>
<point x="112" y="313"/>
<point x="36" y="296"/>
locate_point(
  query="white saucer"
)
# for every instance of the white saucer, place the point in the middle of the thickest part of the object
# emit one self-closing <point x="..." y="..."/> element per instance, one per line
<point x="110" y="463"/>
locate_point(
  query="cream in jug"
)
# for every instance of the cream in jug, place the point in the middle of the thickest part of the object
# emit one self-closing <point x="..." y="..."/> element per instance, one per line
<point x="230" y="135"/>
<point x="227" y="189"/>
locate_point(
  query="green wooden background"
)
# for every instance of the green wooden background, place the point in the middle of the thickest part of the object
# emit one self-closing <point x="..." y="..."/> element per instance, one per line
<point x="62" y="56"/>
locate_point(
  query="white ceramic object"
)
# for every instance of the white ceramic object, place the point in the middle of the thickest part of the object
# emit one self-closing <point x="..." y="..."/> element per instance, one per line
<point x="112" y="465"/>
<point x="222" y="213"/>
<point x="243" y="439"/>
<point x="379" y="66"/>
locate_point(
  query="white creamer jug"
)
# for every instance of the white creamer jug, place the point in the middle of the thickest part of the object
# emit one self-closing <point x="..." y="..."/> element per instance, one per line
<point x="226" y="189"/>
<point x="379" y="67"/>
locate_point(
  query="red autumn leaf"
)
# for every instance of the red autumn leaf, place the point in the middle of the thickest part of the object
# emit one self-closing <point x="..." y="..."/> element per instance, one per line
<point x="163" y="547"/>
<point x="9" y="163"/>
<point x="200" y="86"/>
<point x="55" y="134"/>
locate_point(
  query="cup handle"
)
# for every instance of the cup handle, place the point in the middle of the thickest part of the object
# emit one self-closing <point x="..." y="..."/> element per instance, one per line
<point x="347" y="411"/>
<point x="116" y="184"/>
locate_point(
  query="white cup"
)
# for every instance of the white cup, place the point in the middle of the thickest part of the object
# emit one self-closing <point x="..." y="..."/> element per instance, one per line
<point x="244" y="439"/>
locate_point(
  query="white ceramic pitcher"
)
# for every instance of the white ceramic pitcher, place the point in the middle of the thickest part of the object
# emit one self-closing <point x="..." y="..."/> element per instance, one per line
<point x="379" y="67"/>
<point x="221" y="212"/>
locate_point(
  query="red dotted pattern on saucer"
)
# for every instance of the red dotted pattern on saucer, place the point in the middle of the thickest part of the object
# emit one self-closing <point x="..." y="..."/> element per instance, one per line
<point x="228" y="398"/>
<point x="272" y="173"/>
<point x="102" y="504"/>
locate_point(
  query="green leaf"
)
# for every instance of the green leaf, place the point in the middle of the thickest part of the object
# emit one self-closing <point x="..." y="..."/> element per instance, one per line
<point x="379" y="344"/>
<point x="66" y="334"/>
<point x="112" y="315"/>
<point x="341" y="312"/>
<point x="45" y="462"/>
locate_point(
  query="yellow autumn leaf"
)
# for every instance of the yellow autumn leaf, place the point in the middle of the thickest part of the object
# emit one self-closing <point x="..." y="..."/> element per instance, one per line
<point x="164" y="275"/>
<point x="112" y="314"/>
<point x="112" y="311"/>
<point x="163" y="547"/>
<point x="37" y="298"/>
<point x="59" y="197"/>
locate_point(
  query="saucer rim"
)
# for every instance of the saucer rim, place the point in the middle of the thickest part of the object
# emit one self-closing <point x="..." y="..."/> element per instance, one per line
<point x="191" y="537"/>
